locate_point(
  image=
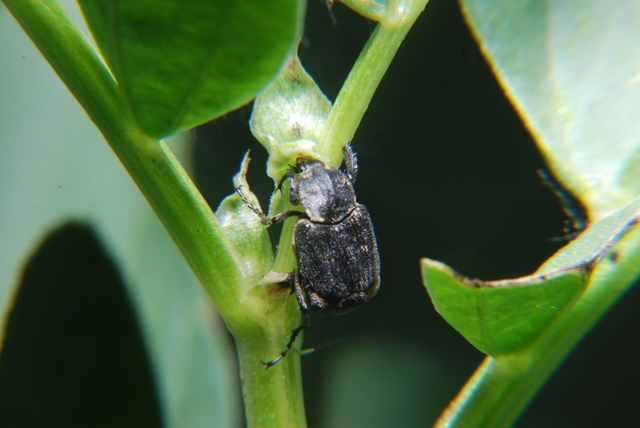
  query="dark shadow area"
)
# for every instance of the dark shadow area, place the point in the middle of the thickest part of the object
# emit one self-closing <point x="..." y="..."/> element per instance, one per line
<point x="73" y="354"/>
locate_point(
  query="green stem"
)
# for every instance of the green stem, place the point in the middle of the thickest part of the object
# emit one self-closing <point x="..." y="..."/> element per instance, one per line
<point x="354" y="98"/>
<point x="346" y="114"/>
<point x="151" y="164"/>
<point x="370" y="9"/>
<point x="274" y="396"/>
<point x="367" y="72"/>
<point x="500" y="389"/>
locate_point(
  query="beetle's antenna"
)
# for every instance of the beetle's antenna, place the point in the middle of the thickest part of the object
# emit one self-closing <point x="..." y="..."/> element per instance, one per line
<point x="264" y="219"/>
<point x="249" y="205"/>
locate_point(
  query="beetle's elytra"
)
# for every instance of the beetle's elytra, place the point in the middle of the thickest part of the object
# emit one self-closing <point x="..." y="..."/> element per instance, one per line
<point x="335" y="246"/>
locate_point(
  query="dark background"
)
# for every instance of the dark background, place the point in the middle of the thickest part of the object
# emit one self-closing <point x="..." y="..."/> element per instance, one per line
<point x="447" y="171"/>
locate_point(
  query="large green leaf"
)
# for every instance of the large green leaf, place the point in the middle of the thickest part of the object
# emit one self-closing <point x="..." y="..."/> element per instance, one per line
<point x="55" y="167"/>
<point x="572" y="70"/>
<point x="182" y="63"/>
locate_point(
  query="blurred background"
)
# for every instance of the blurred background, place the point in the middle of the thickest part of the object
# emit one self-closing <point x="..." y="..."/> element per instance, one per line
<point x="448" y="172"/>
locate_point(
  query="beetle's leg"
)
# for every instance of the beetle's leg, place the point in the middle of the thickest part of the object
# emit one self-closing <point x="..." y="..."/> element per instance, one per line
<point x="284" y="177"/>
<point x="305" y="320"/>
<point x="350" y="162"/>
<point x="294" y="334"/>
<point x="293" y="187"/>
<point x="279" y="218"/>
<point x="302" y="302"/>
<point x="264" y="219"/>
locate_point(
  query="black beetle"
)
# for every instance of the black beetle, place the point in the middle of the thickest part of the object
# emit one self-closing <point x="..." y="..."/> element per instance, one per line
<point x="333" y="240"/>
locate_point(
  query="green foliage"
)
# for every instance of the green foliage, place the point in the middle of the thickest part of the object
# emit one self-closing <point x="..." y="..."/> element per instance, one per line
<point x="502" y="317"/>
<point x="60" y="169"/>
<point x="179" y="64"/>
<point x="288" y="117"/>
<point x="171" y="65"/>
<point x="191" y="367"/>
<point x="567" y="69"/>
<point x="572" y="72"/>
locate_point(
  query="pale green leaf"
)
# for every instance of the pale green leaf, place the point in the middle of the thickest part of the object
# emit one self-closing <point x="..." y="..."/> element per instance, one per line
<point x="573" y="71"/>
<point x="288" y="117"/>
<point x="501" y="317"/>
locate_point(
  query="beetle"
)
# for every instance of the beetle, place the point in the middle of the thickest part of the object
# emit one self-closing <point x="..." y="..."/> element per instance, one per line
<point x="333" y="240"/>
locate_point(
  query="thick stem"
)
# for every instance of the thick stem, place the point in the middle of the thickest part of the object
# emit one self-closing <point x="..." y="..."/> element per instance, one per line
<point x="160" y="177"/>
<point x="272" y="397"/>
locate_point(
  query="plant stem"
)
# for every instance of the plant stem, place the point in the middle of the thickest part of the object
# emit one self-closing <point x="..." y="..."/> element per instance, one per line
<point x="500" y="389"/>
<point x="354" y="98"/>
<point x="370" y="9"/>
<point x="151" y="164"/>
<point x="368" y="70"/>
<point x="274" y="396"/>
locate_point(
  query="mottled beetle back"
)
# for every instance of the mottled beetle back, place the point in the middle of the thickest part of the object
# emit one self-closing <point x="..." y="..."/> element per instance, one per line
<point x="338" y="264"/>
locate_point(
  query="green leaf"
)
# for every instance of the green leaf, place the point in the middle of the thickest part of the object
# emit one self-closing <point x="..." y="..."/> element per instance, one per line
<point x="504" y="317"/>
<point x="62" y="170"/>
<point x="572" y="70"/>
<point x="182" y="63"/>
<point x="501" y="387"/>
<point x="288" y="117"/>
<point x="501" y="317"/>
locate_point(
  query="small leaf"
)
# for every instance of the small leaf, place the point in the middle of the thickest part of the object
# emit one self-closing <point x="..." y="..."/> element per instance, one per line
<point x="182" y="63"/>
<point x="503" y="317"/>
<point x="288" y="117"/>
<point x="572" y="70"/>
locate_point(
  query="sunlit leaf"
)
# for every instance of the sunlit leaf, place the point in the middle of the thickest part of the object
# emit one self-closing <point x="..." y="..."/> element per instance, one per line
<point x="573" y="71"/>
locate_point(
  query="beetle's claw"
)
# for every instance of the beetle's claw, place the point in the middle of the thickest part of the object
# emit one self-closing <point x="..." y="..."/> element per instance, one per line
<point x="294" y="334"/>
<point x="270" y="364"/>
